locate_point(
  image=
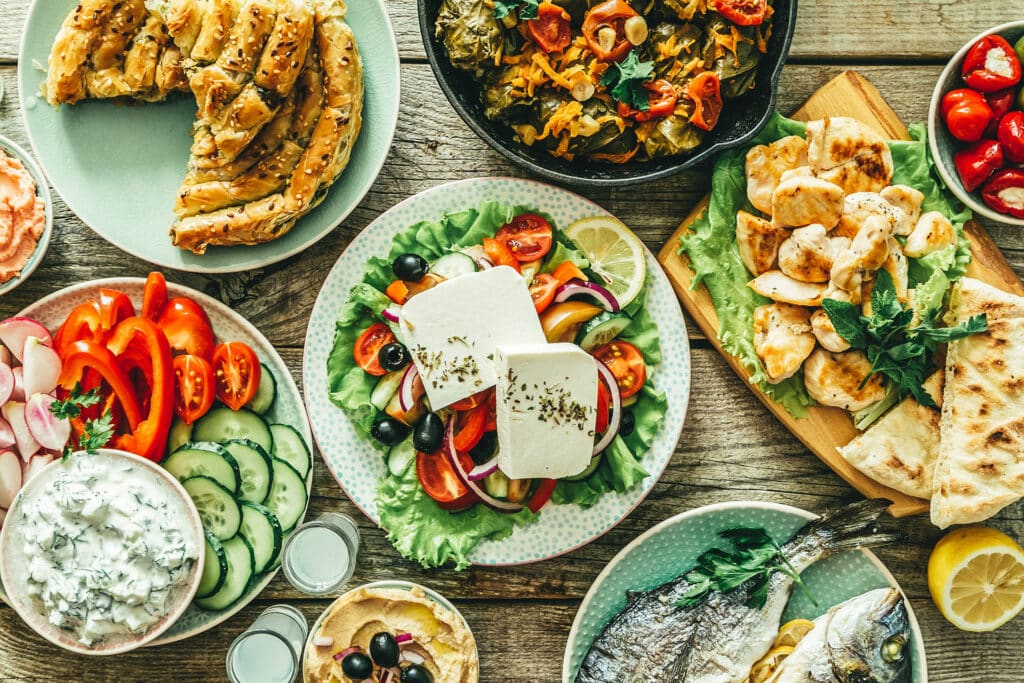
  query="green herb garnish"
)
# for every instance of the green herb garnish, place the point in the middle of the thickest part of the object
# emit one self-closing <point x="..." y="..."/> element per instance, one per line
<point x="73" y="404"/>
<point x="96" y="432"/>
<point x="899" y="351"/>
<point x="626" y="81"/>
<point x="756" y="556"/>
<point x="527" y="8"/>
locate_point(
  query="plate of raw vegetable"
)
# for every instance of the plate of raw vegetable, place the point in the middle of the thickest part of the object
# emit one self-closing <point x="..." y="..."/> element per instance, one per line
<point x="453" y="316"/>
<point x="177" y="377"/>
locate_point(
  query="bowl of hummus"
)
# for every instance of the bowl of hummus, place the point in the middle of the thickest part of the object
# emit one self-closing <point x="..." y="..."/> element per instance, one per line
<point x="26" y="215"/>
<point x="431" y="632"/>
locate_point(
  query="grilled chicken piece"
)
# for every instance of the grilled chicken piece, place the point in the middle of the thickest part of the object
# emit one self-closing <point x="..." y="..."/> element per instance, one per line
<point x="867" y="253"/>
<point x="758" y="241"/>
<point x="834" y="379"/>
<point x="825" y="332"/>
<point x="848" y="153"/>
<point x="766" y="164"/>
<point x="932" y="232"/>
<point x="807" y="254"/>
<point x="898" y="267"/>
<point x="859" y="205"/>
<point x="909" y="200"/>
<point x="802" y="200"/>
<point x="778" y="286"/>
<point x="782" y="339"/>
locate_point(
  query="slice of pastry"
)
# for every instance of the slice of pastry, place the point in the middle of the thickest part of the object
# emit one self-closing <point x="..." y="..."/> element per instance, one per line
<point x="899" y="450"/>
<point x="980" y="468"/>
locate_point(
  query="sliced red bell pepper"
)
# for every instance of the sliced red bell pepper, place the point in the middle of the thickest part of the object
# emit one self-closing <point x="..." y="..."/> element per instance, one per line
<point x="991" y="64"/>
<point x="471" y="428"/>
<point x="567" y="270"/>
<point x="82" y="356"/>
<point x="541" y="496"/>
<point x="154" y="296"/>
<point x="82" y="324"/>
<point x="978" y="162"/>
<point x="1004" y="192"/>
<point x="187" y="328"/>
<point x="115" y="306"/>
<point x="149" y="437"/>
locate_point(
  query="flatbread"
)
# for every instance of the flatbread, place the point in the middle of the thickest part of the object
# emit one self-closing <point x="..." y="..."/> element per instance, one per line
<point x="899" y="450"/>
<point x="980" y="468"/>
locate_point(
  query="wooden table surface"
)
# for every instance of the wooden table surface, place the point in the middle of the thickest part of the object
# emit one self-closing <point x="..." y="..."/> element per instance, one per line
<point x="731" y="447"/>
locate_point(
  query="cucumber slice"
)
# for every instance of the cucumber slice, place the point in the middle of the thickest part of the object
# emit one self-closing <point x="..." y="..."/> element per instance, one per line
<point x="215" y="567"/>
<point x="262" y="531"/>
<point x="239" y="573"/>
<point x="220" y="512"/>
<point x="223" y="424"/>
<point x="496" y="484"/>
<point x="595" y="462"/>
<point x="287" y="498"/>
<point x="386" y="387"/>
<point x="453" y="265"/>
<point x="179" y="435"/>
<point x="253" y="468"/>
<point x="206" y="459"/>
<point x="291" y="447"/>
<point x="601" y="330"/>
<point x="400" y="457"/>
<point x="266" y="392"/>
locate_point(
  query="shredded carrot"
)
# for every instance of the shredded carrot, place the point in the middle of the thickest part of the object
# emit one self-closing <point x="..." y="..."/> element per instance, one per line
<point x="545" y="66"/>
<point x="616" y="158"/>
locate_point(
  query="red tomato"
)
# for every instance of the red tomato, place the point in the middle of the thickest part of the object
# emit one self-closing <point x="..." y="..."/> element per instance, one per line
<point x="473" y="401"/>
<point x="470" y="428"/>
<point x="542" y="291"/>
<point x="187" y="328"/>
<point x="604" y="401"/>
<point x="194" y="387"/>
<point x="550" y="30"/>
<point x="440" y="482"/>
<point x="626" y="363"/>
<point x="499" y="254"/>
<point x="236" y="370"/>
<point x="741" y="12"/>
<point x="661" y="102"/>
<point x="115" y="306"/>
<point x="368" y="346"/>
<point x="492" y="414"/>
<point x="154" y="296"/>
<point x="705" y="91"/>
<point x="528" y="236"/>
<point x="612" y="14"/>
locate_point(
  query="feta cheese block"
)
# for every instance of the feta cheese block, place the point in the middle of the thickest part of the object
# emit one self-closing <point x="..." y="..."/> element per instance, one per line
<point x="546" y="409"/>
<point x="454" y="329"/>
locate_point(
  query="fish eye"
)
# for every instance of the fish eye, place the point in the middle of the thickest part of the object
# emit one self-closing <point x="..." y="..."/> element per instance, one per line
<point x="893" y="649"/>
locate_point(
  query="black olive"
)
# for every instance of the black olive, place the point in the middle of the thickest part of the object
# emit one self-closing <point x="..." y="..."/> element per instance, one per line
<point x="485" y="448"/>
<point x="384" y="649"/>
<point x="628" y="423"/>
<point x="416" y="674"/>
<point x="389" y="431"/>
<point x="393" y="356"/>
<point x="357" y="666"/>
<point x="427" y="434"/>
<point x="410" y="267"/>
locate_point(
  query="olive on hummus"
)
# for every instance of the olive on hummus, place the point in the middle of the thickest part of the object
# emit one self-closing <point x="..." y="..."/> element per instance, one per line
<point x="22" y="217"/>
<point x="430" y="635"/>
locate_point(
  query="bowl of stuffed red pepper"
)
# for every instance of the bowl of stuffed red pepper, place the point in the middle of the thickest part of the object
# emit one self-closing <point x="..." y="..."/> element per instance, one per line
<point x="976" y="124"/>
<point x="610" y="92"/>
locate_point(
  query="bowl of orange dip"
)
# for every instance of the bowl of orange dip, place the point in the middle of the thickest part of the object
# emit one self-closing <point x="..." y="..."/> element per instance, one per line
<point x="26" y="215"/>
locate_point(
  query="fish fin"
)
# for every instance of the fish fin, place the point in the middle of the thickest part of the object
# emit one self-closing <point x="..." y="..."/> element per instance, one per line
<point x="853" y="526"/>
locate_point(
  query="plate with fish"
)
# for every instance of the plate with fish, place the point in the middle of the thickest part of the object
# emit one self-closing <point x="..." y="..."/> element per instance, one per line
<point x="749" y="592"/>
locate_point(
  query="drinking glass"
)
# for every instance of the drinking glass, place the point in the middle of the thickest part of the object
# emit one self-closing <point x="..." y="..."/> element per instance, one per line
<point x="269" y="651"/>
<point x="319" y="557"/>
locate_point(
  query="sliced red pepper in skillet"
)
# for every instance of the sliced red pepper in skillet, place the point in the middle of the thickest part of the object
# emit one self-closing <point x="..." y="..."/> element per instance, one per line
<point x="661" y="102"/>
<point x="1004" y="192"/>
<point x="706" y="92"/>
<point x="550" y="30"/>
<point x="741" y="12"/>
<point x="610" y="14"/>
<point x="991" y="64"/>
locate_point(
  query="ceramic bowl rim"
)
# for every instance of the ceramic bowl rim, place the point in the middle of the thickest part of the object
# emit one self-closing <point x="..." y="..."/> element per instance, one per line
<point x="42" y="191"/>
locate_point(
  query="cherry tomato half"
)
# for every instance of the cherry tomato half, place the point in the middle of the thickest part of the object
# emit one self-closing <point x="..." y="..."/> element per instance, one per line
<point x="604" y="402"/>
<point x="194" y="387"/>
<point x="705" y="91"/>
<point x="154" y="296"/>
<point x="369" y="344"/>
<point x="439" y="480"/>
<point x="626" y="363"/>
<point x="550" y="30"/>
<point x="542" y="291"/>
<point x="742" y="12"/>
<point x="499" y="254"/>
<point x="236" y="369"/>
<point x="470" y="428"/>
<point x="528" y="236"/>
<point x="187" y="328"/>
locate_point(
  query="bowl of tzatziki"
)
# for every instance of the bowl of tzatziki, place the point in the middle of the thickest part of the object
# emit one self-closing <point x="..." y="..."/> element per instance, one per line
<point x="101" y="552"/>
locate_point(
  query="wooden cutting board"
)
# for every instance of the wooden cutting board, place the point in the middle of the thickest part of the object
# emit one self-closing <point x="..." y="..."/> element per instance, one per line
<point x="825" y="428"/>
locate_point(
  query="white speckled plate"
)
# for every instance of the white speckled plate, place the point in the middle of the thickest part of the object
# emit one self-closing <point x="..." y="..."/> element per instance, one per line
<point x="227" y="325"/>
<point x="357" y="465"/>
<point x="666" y="550"/>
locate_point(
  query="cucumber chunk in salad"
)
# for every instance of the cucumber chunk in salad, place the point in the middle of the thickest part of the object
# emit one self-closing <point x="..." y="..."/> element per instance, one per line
<point x="453" y="265"/>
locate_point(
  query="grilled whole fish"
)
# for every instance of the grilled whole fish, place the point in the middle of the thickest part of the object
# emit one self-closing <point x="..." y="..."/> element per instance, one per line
<point x="718" y="639"/>
<point x="862" y="640"/>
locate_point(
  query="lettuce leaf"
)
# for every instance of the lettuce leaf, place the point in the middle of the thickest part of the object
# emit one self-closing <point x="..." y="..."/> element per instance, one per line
<point x="714" y="258"/>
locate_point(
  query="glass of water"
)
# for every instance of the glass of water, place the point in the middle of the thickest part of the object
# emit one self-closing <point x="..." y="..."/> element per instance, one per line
<point x="269" y="651"/>
<point x="319" y="557"/>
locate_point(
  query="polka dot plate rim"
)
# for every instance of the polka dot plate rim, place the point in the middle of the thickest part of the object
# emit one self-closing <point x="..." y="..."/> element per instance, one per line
<point x="671" y="546"/>
<point x="356" y="465"/>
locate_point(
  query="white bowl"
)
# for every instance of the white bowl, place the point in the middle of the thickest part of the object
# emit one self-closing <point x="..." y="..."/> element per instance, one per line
<point x="43" y="191"/>
<point x="943" y="145"/>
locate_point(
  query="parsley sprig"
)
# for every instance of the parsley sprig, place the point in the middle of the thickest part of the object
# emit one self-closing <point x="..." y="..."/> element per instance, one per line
<point x="96" y="432"/>
<point x="755" y="557"/>
<point x="900" y="351"/>
<point x="527" y="8"/>
<point x="626" y="81"/>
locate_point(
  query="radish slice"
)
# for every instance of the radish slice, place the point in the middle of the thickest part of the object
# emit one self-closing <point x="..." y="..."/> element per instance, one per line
<point x="460" y="471"/>
<point x="14" y="413"/>
<point x="19" y="385"/>
<point x="615" y="419"/>
<point x="6" y="435"/>
<point x="10" y="478"/>
<point x="50" y="432"/>
<point x="41" y="367"/>
<point x="5" y="355"/>
<point x="411" y="388"/>
<point x="14" y="332"/>
<point x="596" y="292"/>
<point x="34" y="465"/>
<point x="6" y="382"/>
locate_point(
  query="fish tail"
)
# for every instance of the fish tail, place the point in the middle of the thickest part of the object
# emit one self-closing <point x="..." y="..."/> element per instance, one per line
<point x="847" y="528"/>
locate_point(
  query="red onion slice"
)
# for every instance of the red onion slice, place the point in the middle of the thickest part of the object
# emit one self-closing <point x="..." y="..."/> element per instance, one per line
<point x="615" y="420"/>
<point x="390" y="315"/>
<point x="596" y="292"/>
<point x="346" y="652"/>
<point x="460" y="471"/>
<point x="410" y="389"/>
<point x="403" y="638"/>
<point x="484" y="470"/>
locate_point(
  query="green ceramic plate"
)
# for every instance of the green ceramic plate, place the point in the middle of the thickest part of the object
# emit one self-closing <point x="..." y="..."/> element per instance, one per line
<point x="119" y="166"/>
<point x="669" y="548"/>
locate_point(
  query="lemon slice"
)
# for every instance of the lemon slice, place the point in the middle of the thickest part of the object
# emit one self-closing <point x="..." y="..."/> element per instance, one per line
<point x="767" y="665"/>
<point x="615" y="254"/>
<point x="792" y="632"/>
<point x="976" y="578"/>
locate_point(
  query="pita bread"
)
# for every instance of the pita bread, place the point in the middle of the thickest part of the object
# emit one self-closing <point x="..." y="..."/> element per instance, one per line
<point x="980" y="468"/>
<point x="899" y="450"/>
